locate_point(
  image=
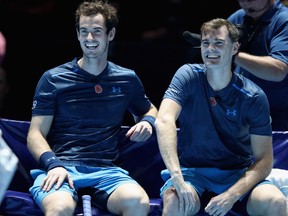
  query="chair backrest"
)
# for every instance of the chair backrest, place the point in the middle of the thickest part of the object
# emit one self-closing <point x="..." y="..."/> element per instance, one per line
<point x="280" y="149"/>
<point x="14" y="132"/>
<point x="8" y="166"/>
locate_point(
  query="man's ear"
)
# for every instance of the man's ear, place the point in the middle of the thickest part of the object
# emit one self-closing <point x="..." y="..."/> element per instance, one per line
<point x="111" y="34"/>
<point x="236" y="48"/>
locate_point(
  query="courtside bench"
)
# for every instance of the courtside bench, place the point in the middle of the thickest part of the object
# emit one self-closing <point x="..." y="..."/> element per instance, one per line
<point x="142" y="160"/>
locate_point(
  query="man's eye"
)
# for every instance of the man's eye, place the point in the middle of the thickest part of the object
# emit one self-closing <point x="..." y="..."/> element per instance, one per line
<point x="219" y="43"/>
<point x="83" y="32"/>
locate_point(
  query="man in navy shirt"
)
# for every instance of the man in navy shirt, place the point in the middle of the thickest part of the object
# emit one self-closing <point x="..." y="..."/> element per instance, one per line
<point x="225" y="137"/>
<point x="263" y="55"/>
<point x="78" y="109"/>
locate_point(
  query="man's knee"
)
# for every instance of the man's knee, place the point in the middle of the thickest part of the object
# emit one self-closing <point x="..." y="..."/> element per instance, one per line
<point x="267" y="200"/>
<point x="58" y="203"/>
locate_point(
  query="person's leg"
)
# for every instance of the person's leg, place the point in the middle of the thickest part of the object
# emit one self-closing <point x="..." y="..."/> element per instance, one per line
<point x="112" y="189"/>
<point x="193" y="178"/>
<point x="266" y="200"/>
<point x="129" y="199"/>
<point x="58" y="203"/>
<point x="171" y="202"/>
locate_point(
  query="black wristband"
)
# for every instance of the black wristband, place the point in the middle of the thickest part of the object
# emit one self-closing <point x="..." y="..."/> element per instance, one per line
<point x="48" y="160"/>
<point x="150" y="119"/>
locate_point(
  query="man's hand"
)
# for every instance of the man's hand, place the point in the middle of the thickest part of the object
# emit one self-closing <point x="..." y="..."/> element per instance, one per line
<point x="186" y="196"/>
<point x="220" y="205"/>
<point x="140" y="132"/>
<point x="56" y="176"/>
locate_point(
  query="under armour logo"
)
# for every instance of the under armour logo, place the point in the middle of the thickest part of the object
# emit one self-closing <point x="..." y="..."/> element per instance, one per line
<point x="231" y="112"/>
<point x="116" y="90"/>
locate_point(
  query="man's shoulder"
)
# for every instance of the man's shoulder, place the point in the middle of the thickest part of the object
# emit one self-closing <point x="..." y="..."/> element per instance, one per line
<point x="193" y="67"/>
<point x="67" y="66"/>
<point x="247" y="86"/>
<point x="118" y="69"/>
<point x="282" y="12"/>
<point x="237" y="16"/>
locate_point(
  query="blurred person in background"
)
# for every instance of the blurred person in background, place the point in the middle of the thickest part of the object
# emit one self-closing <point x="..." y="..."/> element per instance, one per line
<point x="263" y="55"/>
<point x="4" y="84"/>
<point x="4" y="90"/>
<point x="2" y="47"/>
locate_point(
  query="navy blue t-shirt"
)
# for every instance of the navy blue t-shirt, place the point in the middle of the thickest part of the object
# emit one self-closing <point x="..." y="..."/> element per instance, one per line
<point x="215" y="126"/>
<point x="269" y="37"/>
<point x="88" y="110"/>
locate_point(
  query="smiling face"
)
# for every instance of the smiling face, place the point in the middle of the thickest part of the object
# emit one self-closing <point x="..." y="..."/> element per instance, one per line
<point x="217" y="49"/>
<point x="92" y="36"/>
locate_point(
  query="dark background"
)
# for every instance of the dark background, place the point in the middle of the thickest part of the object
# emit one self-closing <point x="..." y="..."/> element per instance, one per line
<point x="40" y="35"/>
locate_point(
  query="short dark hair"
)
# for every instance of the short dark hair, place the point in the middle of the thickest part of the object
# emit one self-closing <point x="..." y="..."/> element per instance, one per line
<point x="219" y="22"/>
<point x="91" y="7"/>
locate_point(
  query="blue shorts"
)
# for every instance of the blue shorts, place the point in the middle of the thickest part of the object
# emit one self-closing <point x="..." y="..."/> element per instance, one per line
<point x="206" y="179"/>
<point x="99" y="182"/>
